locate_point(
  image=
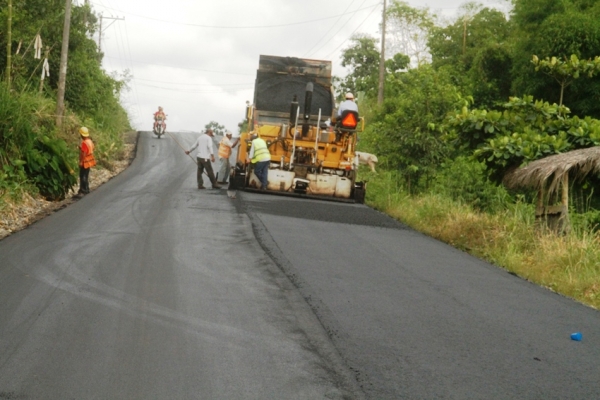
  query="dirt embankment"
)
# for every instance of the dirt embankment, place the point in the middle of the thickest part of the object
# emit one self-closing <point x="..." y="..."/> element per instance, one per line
<point x="15" y="217"/>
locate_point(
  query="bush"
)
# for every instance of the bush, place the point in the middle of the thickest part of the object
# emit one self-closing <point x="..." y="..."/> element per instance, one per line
<point x="30" y="149"/>
<point x="466" y="181"/>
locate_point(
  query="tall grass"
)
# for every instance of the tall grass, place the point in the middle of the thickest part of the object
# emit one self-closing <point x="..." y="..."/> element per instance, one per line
<point x="36" y="157"/>
<point x="508" y="238"/>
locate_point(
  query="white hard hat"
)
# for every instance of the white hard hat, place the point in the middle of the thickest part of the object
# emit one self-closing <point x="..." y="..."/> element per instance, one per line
<point x="349" y="96"/>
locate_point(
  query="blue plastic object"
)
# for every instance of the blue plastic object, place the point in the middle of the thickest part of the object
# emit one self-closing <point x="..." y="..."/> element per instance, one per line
<point x="576" y="336"/>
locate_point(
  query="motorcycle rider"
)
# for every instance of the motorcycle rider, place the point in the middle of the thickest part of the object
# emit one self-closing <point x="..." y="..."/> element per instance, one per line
<point x="159" y="118"/>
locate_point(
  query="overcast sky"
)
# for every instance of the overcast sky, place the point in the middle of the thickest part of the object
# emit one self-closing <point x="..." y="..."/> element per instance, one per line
<point x="198" y="59"/>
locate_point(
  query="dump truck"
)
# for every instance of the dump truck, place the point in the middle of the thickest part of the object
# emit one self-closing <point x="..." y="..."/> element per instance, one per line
<point x="312" y="149"/>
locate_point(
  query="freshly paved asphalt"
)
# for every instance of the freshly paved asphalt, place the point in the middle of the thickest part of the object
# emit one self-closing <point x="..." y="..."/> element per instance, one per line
<point x="417" y="319"/>
<point x="150" y="288"/>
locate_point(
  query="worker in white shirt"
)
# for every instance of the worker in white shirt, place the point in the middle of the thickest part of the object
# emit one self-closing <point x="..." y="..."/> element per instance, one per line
<point x="204" y="158"/>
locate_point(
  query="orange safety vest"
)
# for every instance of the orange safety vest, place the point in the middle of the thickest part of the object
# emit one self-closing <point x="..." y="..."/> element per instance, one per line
<point x="86" y="157"/>
<point x="224" y="150"/>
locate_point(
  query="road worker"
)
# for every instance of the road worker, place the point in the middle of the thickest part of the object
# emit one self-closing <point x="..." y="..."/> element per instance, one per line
<point x="225" y="147"/>
<point x="204" y="159"/>
<point x="86" y="161"/>
<point x="261" y="158"/>
<point x="348" y="104"/>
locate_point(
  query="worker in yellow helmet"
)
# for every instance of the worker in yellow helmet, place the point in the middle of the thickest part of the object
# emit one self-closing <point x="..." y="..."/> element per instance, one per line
<point x="86" y="161"/>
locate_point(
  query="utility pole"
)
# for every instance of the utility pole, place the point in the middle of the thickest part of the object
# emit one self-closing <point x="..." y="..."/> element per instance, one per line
<point x="100" y="36"/>
<point x="382" y="60"/>
<point x="100" y="31"/>
<point x="464" y="35"/>
<point x="85" y="16"/>
<point x="8" y="45"/>
<point x="62" y="75"/>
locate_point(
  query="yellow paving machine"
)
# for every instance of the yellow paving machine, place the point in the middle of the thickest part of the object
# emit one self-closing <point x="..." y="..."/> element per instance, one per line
<point x="312" y="149"/>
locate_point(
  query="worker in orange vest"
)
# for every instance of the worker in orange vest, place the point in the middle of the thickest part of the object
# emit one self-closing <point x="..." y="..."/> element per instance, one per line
<point x="86" y="161"/>
<point x="225" y="147"/>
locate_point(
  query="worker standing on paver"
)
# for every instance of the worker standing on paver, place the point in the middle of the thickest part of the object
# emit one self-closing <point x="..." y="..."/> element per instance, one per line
<point x="225" y="147"/>
<point x="204" y="158"/>
<point x="348" y="104"/>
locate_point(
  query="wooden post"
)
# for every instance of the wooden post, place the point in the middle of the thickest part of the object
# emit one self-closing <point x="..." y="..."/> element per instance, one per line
<point x="85" y="15"/>
<point x="564" y="223"/>
<point x="9" y="45"/>
<point x="540" y="198"/>
<point x="565" y="191"/>
<point x="100" y="36"/>
<point x="464" y="35"/>
<point x="382" y="59"/>
<point x="62" y="75"/>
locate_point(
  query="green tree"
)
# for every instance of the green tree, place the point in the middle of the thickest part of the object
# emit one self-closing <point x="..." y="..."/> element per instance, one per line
<point x="476" y="50"/>
<point x="525" y="130"/>
<point x="402" y="133"/>
<point x="557" y="28"/>
<point x="565" y="72"/>
<point x="407" y="30"/>
<point x="362" y="60"/>
<point x="218" y="129"/>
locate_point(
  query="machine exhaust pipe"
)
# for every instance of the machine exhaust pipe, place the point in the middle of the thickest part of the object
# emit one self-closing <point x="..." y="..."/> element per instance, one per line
<point x="307" y="107"/>
<point x="294" y="111"/>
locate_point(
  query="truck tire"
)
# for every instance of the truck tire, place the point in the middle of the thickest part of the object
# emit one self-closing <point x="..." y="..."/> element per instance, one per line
<point x="360" y="190"/>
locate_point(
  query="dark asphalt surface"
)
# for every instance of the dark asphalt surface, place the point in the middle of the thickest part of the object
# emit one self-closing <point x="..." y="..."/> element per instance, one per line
<point x="151" y="289"/>
<point x="417" y="319"/>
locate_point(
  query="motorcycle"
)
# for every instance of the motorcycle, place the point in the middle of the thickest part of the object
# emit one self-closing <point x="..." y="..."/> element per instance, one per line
<point x="159" y="127"/>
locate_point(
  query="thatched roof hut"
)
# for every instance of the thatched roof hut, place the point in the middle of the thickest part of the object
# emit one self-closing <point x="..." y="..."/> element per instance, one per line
<point x="550" y="171"/>
<point x="549" y="174"/>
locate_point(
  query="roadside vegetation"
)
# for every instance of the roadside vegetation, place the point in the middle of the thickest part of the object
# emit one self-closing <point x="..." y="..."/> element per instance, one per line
<point x="36" y="157"/>
<point x="467" y="103"/>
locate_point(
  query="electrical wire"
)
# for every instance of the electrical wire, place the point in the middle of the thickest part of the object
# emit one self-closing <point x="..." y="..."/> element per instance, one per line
<point x="244" y="27"/>
<point x="308" y="53"/>
<point x="180" y="67"/>
<point x="342" y="28"/>
<point x="196" y="84"/>
<point x="365" y="20"/>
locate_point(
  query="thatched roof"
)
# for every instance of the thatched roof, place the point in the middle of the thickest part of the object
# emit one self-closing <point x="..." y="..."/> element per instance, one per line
<point x="579" y="163"/>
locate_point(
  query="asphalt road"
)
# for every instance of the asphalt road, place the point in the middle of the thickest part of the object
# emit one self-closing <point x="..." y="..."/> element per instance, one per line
<point x="150" y="289"/>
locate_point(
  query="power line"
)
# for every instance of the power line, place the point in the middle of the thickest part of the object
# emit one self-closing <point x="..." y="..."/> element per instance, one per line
<point x="365" y="20"/>
<point x="342" y="28"/>
<point x="243" y="27"/>
<point x="329" y="30"/>
<point x="181" y="67"/>
<point x="248" y="86"/>
<point x="196" y="84"/>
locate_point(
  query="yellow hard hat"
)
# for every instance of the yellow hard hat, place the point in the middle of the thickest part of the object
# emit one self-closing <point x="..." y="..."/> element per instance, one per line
<point x="83" y="131"/>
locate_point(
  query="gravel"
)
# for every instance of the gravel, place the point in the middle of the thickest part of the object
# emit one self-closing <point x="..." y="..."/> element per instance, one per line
<point x="14" y="217"/>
